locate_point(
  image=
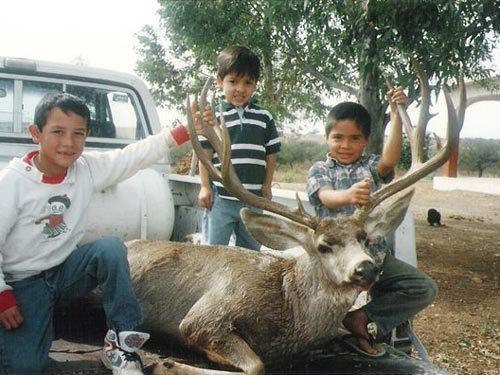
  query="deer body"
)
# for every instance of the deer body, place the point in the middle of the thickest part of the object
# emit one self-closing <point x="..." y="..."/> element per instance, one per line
<point x="197" y="294"/>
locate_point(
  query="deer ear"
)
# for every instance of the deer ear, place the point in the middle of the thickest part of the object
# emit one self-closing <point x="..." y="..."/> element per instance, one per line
<point x="275" y="232"/>
<point x="388" y="216"/>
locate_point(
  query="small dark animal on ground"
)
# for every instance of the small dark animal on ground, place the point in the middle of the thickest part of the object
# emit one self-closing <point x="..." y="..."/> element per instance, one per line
<point x="433" y="217"/>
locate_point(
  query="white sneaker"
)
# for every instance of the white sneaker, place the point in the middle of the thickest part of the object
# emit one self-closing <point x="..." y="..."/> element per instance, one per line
<point x="120" y="352"/>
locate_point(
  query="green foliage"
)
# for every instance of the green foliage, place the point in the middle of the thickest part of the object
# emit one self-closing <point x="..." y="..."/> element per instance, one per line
<point x="311" y="50"/>
<point x="477" y="156"/>
<point x="296" y="152"/>
<point x="405" y="158"/>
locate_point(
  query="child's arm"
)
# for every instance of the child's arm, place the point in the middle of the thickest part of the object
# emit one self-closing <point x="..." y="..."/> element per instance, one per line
<point x="205" y="196"/>
<point x="268" y="179"/>
<point x="10" y="317"/>
<point x="392" y="146"/>
<point x="357" y="194"/>
<point x="111" y="167"/>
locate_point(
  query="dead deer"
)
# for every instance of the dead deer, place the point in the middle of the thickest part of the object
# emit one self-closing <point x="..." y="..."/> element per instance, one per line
<point x="246" y="309"/>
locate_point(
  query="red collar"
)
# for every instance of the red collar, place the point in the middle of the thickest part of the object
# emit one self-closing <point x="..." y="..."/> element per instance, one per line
<point x="45" y="179"/>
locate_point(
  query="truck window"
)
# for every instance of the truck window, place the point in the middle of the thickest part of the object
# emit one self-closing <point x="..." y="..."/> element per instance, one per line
<point x="6" y="105"/>
<point x="113" y="114"/>
<point x="33" y="92"/>
<point x="124" y="114"/>
<point x="114" y="111"/>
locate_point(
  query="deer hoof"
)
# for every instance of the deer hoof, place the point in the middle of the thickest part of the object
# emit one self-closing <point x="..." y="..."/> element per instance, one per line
<point x="167" y="367"/>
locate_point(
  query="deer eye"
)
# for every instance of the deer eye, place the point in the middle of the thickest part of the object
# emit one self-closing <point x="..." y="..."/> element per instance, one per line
<point x="324" y="249"/>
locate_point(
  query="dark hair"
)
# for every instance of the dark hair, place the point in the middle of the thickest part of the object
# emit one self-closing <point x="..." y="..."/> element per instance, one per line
<point x="239" y="60"/>
<point x="65" y="102"/>
<point x="349" y="111"/>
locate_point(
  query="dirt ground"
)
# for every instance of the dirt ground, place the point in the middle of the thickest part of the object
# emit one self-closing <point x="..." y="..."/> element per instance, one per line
<point x="461" y="330"/>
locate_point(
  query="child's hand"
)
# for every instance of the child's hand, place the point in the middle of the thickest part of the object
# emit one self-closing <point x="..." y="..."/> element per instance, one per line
<point x="397" y="96"/>
<point x="11" y="318"/>
<point x="208" y="117"/>
<point x="359" y="193"/>
<point x="205" y="198"/>
<point x="267" y="192"/>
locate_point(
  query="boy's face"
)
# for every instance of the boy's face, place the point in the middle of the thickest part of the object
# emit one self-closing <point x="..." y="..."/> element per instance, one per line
<point x="346" y="142"/>
<point x="237" y="89"/>
<point x="61" y="141"/>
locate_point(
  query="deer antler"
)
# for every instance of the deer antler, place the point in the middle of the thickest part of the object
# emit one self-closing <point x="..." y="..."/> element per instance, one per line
<point x="227" y="175"/>
<point x="416" y="137"/>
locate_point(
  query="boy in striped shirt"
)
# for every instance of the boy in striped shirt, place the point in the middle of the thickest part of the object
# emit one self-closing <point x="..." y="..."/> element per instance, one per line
<point x="254" y="144"/>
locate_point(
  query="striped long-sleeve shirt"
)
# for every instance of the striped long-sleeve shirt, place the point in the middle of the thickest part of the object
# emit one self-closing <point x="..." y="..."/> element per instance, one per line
<point x="253" y="137"/>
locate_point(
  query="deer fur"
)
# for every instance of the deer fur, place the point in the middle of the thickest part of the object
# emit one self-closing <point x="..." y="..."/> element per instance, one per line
<point x="244" y="308"/>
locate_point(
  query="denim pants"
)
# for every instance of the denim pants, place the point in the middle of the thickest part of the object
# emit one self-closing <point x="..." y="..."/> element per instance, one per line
<point x="102" y="263"/>
<point x="224" y="219"/>
<point x="400" y="293"/>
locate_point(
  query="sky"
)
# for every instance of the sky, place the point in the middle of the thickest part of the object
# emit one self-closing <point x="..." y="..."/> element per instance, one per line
<point x="102" y="34"/>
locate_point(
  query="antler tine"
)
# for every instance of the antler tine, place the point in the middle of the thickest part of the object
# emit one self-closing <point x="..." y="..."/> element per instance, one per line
<point x="228" y="176"/>
<point x="300" y="206"/>
<point x="195" y="142"/>
<point x="424" y="115"/>
<point x="418" y="169"/>
<point x="408" y="127"/>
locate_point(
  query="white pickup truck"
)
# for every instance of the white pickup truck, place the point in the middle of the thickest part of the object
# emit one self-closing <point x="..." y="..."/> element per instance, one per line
<point x="154" y="204"/>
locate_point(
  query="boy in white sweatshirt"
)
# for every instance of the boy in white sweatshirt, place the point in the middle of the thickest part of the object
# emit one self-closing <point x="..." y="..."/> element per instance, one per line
<point x="43" y="213"/>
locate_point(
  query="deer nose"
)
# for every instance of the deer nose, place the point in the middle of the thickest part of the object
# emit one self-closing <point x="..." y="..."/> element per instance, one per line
<point x="366" y="272"/>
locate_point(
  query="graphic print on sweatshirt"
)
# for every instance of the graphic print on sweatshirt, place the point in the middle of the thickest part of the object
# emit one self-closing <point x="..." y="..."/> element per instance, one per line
<point x="55" y="224"/>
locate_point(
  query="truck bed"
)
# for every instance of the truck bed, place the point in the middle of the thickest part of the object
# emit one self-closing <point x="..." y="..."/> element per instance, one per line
<point x="80" y="329"/>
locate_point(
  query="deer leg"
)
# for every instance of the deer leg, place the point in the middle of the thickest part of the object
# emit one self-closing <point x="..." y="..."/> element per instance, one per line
<point x="235" y="351"/>
<point x="238" y="354"/>
<point x="216" y="339"/>
<point x="170" y="367"/>
<point x="232" y="351"/>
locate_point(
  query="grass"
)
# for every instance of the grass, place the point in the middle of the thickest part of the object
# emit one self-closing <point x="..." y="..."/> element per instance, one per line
<point x="490" y="329"/>
<point x="294" y="174"/>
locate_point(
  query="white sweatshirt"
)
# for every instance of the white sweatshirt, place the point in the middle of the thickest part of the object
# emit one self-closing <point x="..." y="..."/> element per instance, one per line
<point x="41" y="224"/>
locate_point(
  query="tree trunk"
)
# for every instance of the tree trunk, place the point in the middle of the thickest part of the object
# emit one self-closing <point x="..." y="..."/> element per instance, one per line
<point x="370" y="101"/>
<point x="269" y="79"/>
<point x="369" y="97"/>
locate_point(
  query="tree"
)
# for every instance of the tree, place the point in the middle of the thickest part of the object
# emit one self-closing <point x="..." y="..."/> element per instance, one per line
<point x="314" y="49"/>
<point x="297" y="152"/>
<point x="476" y="155"/>
<point x="405" y="158"/>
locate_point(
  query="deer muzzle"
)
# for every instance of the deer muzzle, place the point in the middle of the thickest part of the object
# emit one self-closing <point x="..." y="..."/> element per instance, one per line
<point x="365" y="274"/>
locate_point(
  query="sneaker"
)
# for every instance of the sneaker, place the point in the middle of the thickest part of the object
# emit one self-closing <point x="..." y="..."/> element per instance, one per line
<point x="120" y="352"/>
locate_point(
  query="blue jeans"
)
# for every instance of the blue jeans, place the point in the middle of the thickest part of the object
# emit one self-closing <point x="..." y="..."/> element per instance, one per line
<point x="102" y="263"/>
<point x="224" y="219"/>
<point x="400" y="293"/>
<point x="204" y="226"/>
